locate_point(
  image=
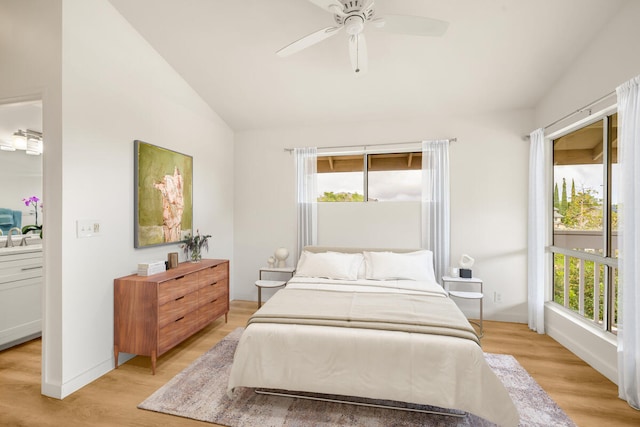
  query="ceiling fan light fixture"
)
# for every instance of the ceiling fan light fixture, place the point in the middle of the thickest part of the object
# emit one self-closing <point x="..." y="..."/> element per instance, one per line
<point x="354" y="25"/>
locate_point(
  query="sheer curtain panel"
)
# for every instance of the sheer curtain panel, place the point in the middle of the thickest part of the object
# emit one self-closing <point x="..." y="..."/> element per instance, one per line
<point x="536" y="231"/>
<point x="306" y="197"/>
<point x="629" y="274"/>
<point x="436" y="203"/>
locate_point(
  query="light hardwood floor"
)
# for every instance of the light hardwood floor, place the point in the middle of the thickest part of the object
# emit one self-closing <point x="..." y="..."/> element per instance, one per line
<point x="588" y="397"/>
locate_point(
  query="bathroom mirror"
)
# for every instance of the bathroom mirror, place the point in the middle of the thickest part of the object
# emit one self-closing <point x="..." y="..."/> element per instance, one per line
<point x="20" y="173"/>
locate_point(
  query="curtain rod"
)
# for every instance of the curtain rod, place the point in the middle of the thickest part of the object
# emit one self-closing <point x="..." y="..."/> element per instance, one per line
<point x="578" y="111"/>
<point x="371" y="145"/>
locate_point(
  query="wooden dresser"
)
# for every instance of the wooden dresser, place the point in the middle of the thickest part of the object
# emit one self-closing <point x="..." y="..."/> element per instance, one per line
<point x="154" y="313"/>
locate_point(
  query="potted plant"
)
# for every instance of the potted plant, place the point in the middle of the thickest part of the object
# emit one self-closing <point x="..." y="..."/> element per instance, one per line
<point x="32" y="201"/>
<point x="193" y="245"/>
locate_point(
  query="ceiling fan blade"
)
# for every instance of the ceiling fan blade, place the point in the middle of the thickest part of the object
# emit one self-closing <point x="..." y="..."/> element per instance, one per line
<point x="412" y="25"/>
<point x="358" y="53"/>
<point x="307" y="41"/>
<point x="331" y="6"/>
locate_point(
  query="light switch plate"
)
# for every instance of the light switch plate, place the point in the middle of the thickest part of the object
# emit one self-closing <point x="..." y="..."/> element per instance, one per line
<point x="87" y="228"/>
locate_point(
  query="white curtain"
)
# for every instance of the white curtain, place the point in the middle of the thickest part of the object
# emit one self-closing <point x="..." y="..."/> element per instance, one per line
<point x="629" y="273"/>
<point x="536" y="231"/>
<point x="436" y="203"/>
<point x="306" y="197"/>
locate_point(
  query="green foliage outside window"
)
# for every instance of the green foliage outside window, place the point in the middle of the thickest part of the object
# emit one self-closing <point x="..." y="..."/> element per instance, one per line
<point x="574" y="285"/>
<point x="330" y="196"/>
<point x="582" y="211"/>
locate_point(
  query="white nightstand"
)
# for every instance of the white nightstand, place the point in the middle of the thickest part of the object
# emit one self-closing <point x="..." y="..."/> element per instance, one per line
<point x="272" y="284"/>
<point x="446" y="280"/>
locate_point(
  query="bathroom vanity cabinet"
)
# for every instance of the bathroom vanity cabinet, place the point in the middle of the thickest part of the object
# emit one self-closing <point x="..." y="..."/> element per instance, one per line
<point x="20" y="294"/>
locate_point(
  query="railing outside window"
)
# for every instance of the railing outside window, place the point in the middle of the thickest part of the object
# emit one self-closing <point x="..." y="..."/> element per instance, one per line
<point x="579" y="279"/>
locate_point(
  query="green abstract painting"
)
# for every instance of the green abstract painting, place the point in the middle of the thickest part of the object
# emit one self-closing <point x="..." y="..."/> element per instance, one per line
<point x="163" y="195"/>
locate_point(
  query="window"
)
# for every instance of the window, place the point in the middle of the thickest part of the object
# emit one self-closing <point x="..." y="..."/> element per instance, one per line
<point x="372" y="177"/>
<point x="585" y="218"/>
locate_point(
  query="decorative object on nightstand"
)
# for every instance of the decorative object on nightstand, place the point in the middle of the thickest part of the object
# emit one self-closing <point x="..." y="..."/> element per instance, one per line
<point x="466" y="262"/>
<point x="281" y="255"/>
<point x="271" y="262"/>
<point x="446" y="280"/>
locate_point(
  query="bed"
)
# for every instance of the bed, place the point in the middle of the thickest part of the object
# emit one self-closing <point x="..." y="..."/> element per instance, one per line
<point x="370" y="323"/>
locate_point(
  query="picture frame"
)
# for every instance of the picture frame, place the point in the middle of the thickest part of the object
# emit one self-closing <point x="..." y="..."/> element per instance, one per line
<point x="163" y="195"/>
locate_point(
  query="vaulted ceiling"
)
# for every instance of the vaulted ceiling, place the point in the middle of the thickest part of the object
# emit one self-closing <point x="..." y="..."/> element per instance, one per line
<point x="496" y="55"/>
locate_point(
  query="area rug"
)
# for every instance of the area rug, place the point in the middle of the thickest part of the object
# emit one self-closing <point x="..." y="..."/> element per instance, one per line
<point x="199" y="392"/>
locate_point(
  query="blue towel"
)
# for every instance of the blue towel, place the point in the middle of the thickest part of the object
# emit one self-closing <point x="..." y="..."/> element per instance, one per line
<point x="6" y="220"/>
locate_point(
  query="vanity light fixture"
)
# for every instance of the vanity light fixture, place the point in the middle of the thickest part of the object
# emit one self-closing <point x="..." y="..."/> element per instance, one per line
<point x="28" y="140"/>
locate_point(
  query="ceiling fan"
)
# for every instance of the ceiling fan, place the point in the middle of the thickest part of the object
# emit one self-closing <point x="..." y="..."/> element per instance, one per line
<point x="353" y="15"/>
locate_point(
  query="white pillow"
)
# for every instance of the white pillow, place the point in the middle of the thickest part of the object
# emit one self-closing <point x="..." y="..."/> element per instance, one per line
<point x="330" y="265"/>
<point x="409" y="266"/>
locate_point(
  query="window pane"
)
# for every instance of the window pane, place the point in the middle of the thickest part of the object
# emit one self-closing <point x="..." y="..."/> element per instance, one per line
<point x="615" y="185"/>
<point x="390" y="177"/>
<point x="616" y="289"/>
<point x="558" y="278"/>
<point x="341" y="178"/>
<point x="387" y="186"/>
<point x="341" y="187"/>
<point x="394" y="176"/>
<point x="578" y="189"/>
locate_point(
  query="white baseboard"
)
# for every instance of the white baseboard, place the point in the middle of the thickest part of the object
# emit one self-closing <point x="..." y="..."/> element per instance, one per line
<point x="595" y="347"/>
<point x="60" y="391"/>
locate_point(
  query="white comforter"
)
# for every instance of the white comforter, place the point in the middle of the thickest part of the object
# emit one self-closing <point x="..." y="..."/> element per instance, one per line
<point x="411" y="367"/>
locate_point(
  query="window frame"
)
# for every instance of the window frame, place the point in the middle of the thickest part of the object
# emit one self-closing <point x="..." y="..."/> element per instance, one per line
<point x="365" y="167"/>
<point x="607" y="260"/>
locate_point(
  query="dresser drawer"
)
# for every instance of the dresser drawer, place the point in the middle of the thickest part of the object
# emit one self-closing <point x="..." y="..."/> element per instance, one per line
<point x="176" y="331"/>
<point x="212" y="291"/>
<point x="212" y="274"/>
<point x="211" y="311"/>
<point x="177" y="308"/>
<point x="175" y="288"/>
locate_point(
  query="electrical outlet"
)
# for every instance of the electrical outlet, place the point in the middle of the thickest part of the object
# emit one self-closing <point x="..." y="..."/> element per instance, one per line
<point x="497" y="297"/>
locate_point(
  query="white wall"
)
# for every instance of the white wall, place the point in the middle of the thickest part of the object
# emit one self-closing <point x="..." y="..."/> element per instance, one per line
<point x="103" y="89"/>
<point x="35" y="27"/>
<point x="387" y="225"/>
<point x="489" y="163"/>
<point x="608" y="62"/>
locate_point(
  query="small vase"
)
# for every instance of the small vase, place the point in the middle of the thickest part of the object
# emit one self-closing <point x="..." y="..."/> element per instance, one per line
<point x="196" y="255"/>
